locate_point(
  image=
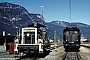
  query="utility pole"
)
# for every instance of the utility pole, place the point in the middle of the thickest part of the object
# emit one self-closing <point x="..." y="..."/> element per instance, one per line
<point x="86" y="31"/>
<point x="18" y="33"/>
<point x="55" y="36"/>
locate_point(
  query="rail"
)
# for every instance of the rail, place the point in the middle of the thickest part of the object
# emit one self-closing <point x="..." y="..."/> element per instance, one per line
<point x="72" y="56"/>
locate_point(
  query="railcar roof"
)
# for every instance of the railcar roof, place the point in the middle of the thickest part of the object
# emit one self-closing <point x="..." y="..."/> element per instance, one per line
<point x="71" y="28"/>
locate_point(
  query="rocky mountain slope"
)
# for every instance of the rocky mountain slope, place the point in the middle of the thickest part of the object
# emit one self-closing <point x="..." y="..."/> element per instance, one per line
<point x="13" y="17"/>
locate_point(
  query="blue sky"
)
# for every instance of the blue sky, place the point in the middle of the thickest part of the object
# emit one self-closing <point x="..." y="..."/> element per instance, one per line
<point x="57" y="9"/>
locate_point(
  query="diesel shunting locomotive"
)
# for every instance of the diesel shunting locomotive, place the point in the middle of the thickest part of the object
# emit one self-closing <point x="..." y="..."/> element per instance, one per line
<point x="34" y="39"/>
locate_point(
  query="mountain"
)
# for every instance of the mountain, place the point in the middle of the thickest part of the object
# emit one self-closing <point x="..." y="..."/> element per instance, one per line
<point x="13" y="17"/>
<point x="59" y="26"/>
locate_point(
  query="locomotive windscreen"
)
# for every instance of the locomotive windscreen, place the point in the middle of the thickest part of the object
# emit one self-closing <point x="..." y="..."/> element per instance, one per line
<point x="71" y="35"/>
<point x="29" y="37"/>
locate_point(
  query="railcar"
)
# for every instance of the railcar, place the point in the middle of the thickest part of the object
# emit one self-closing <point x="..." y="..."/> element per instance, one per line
<point x="34" y="39"/>
<point x="71" y="38"/>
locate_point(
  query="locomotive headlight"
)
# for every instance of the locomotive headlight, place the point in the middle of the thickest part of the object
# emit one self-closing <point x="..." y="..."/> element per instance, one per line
<point x="27" y="34"/>
<point x="77" y="45"/>
<point x="66" y="40"/>
<point x="76" y="40"/>
<point x="66" y="44"/>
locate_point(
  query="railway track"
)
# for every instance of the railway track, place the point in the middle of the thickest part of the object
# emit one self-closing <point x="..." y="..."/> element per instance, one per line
<point x="86" y="46"/>
<point x="72" y="56"/>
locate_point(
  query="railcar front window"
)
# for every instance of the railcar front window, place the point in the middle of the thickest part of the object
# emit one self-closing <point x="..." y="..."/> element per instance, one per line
<point x="71" y="35"/>
<point x="29" y="37"/>
<point x="67" y="32"/>
<point x="71" y="32"/>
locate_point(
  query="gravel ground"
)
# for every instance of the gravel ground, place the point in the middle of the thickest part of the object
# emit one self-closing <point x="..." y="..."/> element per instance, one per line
<point x="55" y="54"/>
<point x="85" y="52"/>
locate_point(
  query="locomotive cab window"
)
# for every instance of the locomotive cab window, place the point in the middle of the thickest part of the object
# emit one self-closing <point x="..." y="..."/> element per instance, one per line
<point x="71" y="32"/>
<point x="29" y="37"/>
<point x="71" y="35"/>
<point x="42" y="29"/>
